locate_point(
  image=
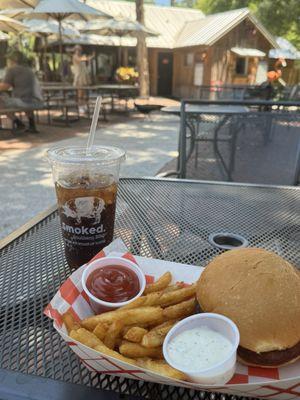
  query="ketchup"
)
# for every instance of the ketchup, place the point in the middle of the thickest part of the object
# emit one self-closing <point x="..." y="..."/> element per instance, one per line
<point x="113" y="283"/>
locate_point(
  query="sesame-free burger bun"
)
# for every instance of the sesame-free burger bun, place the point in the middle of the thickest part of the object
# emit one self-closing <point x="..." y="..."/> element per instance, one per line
<point x="260" y="292"/>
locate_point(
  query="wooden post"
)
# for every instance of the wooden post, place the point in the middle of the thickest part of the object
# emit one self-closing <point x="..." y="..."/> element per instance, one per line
<point x="142" y="52"/>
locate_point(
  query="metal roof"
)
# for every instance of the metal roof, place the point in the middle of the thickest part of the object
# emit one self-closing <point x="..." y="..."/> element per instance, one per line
<point x="167" y="21"/>
<point x="247" y="52"/>
<point x="177" y="27"/>
<point x="208" y="30"/>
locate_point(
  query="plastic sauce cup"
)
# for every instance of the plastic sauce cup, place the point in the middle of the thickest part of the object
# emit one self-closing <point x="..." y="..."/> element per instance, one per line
<point x="99" y="305"/>
<point x="223" y="371"/>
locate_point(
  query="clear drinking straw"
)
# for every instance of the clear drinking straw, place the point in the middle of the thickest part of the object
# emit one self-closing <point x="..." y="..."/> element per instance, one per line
<point x="91" y="137"/>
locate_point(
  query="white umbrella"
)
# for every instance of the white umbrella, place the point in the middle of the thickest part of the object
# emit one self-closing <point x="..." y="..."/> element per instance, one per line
<point x="47" y="29"/>
<point x="117" y="27"/>
<point x="10" y="25"/>
<point x="16" y="13"/>
<point x="286" y="50"/>
<point x="4" y="4"/>
<point x="62" y="9"/>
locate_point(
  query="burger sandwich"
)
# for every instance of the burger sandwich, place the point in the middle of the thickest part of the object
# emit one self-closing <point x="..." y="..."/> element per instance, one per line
<point x="260" y="292"/>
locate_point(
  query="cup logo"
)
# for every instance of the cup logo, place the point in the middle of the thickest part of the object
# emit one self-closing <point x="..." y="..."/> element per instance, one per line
<point x="84" y="207"/>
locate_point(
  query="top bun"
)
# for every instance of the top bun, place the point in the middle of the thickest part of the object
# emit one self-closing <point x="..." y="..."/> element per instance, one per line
<point x="259" y="291"/>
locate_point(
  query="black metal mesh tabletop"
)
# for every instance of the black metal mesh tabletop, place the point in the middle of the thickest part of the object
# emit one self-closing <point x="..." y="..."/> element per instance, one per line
<point x="163" y="219"/>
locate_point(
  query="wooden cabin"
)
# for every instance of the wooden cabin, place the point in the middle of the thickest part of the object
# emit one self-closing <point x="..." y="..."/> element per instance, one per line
<point x="225" y="48"/>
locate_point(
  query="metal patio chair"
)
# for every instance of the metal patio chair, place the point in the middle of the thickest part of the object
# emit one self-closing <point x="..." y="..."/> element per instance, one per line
<point x="264" y="138"/>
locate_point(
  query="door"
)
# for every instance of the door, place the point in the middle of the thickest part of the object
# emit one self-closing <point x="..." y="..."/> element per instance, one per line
<point x="261" y="73"/>
<point x="165" y="74"/>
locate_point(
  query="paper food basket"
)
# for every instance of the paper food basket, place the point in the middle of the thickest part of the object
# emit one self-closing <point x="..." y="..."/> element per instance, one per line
<point x="274" y="383"/>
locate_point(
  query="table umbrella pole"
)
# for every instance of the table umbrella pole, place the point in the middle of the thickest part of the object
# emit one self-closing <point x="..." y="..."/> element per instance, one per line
<point x="45" y="52"/>
<point x="119" y="54"/>
<point x="60" y="45"/>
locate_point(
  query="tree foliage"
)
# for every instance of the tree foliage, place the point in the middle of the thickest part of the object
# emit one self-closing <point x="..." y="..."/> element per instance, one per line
<point x="280" y="17"/>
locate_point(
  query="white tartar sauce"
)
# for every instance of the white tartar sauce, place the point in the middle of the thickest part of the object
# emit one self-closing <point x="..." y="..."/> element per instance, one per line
<point x="198" y="348"/>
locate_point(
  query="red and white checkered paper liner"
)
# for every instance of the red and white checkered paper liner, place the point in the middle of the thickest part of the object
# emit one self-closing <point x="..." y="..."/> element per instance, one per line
<point x="275" y="383"/>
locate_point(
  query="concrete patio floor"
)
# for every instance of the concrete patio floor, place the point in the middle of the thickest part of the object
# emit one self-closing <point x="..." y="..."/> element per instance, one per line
<point x="26" y="187"/>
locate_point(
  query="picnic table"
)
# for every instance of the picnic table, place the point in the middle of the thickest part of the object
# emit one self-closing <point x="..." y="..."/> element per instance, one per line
<point x="159" y="218"/>
<point x="62" y="92"/>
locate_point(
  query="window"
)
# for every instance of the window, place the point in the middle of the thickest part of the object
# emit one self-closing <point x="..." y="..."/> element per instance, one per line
<point x="241" y="65"/>
<point x="188" y="59"/>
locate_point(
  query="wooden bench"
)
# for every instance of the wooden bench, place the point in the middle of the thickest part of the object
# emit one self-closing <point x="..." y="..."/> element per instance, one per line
<point x="19" y="110"/>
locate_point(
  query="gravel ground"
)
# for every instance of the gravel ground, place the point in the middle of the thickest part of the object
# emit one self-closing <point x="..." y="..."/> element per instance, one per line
<point x="26" y="187"/>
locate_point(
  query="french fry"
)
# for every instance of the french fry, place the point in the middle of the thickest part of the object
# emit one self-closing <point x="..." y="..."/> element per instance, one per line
<point x="85" y="337"/>
<point x="135" y="334"/>
<point x="112" y="353"/>
<point x="135" y="350"/>
<point x="161" y="368"/>
<point x="112" y="334"/>
<point x="136" y="316"/>
<point x="155" y="337"/>
<point x="89" y="339"/>
<point x="181" y="310"/>
<point x="70" y="322"/>
<point x="160" y="284"/>
<point x="177" y="296"/>
<point x="100" y="330"/>
<point x="144" y="301"/>
<point x="176" y="286"/>
<point x="163" y="299"/>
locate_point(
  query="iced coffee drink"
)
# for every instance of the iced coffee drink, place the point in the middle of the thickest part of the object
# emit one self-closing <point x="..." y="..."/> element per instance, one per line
<point x="86" y="192"/>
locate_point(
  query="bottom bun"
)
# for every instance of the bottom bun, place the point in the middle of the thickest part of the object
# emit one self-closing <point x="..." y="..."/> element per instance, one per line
<point x="269" y="359"/>
<point x="266" y="366"/>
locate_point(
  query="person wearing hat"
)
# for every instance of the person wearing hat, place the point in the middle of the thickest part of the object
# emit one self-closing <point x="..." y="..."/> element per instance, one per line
<point x="26" y="91"/>
<point x="81" y="75"/>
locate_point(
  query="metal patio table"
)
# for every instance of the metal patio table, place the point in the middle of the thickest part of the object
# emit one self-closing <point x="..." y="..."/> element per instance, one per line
<point x="197" y="113"/>
<point x="161" y="218"/>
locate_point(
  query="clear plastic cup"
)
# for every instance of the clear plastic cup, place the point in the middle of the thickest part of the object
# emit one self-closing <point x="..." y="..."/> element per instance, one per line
<point x="220" y="373"/>
<point x="86" y="189"/>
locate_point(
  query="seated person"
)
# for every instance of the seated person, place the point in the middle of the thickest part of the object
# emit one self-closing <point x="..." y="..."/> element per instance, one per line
<point x="26" y="91"/>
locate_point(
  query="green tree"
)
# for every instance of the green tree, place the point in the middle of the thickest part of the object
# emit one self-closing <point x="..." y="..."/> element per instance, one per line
<point x="183" y="3"/>
<point x="280" y="17"/>
<point x="214" y="6"/>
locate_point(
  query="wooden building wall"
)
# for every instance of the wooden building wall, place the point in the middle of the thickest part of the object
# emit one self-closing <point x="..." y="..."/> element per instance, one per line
<point x="219" y="63"/>
<point x="223" y="60"/>
<point x="183" y="75"/>
<point x="153" y="74"/>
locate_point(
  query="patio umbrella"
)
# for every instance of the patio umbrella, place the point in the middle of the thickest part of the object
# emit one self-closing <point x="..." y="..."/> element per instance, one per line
<point x="49" y="28"/>
<point x="59" y="10"/>
<point x="16" y="13"/>
<point x="5" y="4"/>
<point x="285" y="50"/>
<point x="46" y="29"/>
<point x="117" y="27"/>
<point x="8" y="24"/>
